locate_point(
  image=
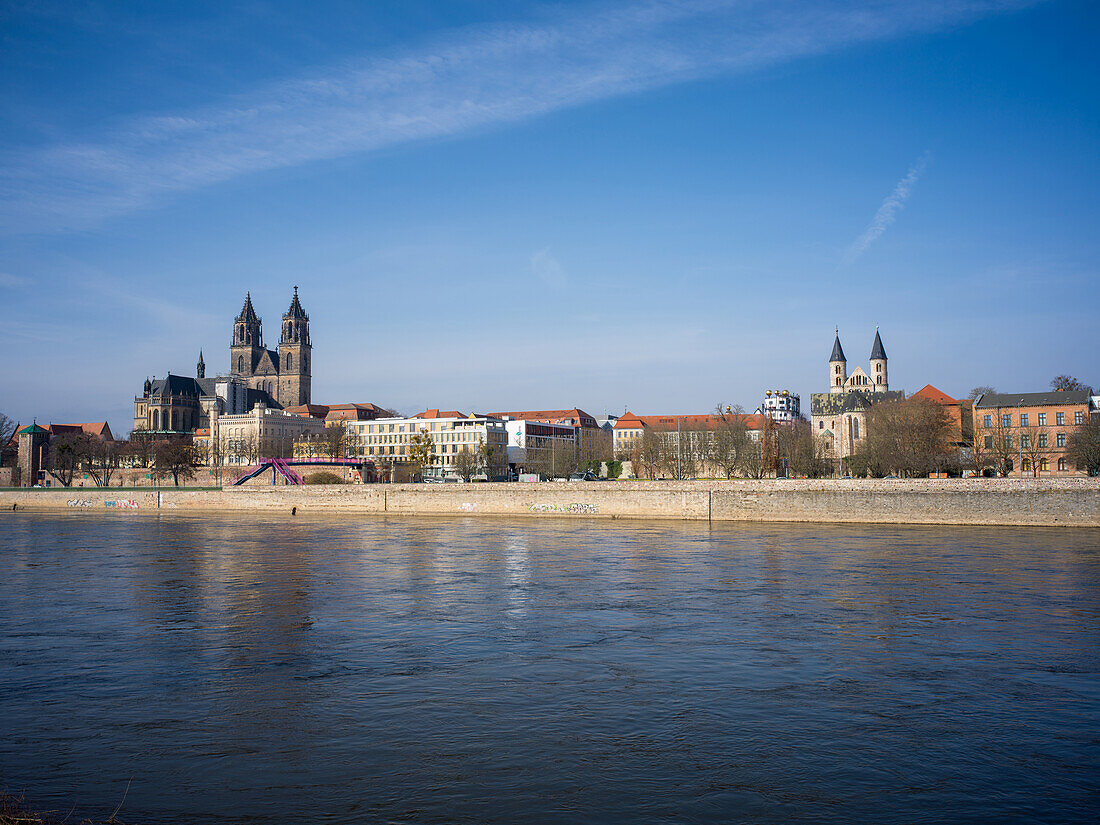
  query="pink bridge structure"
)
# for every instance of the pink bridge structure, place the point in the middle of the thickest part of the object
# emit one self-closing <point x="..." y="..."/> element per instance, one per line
<point x="284" y="468"/>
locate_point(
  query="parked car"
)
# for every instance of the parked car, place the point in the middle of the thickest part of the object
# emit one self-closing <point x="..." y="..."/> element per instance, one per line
<point x="585" y="476"/>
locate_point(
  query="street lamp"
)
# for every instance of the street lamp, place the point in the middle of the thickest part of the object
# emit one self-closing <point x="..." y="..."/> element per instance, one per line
<point x="1020" y="438"/>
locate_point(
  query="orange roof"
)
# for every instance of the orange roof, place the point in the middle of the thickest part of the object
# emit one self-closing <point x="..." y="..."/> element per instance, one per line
<point x="573" y="416"/>
<point x="630" y="421"/>
<point x="100" y="429"/>
<point x="202" y="431"/>
<point x="309" y="410"/>
<point x="930" y="393"/>
<point x="440" y="414"/>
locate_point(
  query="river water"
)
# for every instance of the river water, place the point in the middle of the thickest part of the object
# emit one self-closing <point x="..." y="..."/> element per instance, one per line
<point x="270" y="670"/>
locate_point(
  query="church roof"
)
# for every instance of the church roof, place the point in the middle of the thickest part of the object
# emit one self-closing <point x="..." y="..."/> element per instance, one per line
<point x="248" y="314"/>
<point x="824" y="403"/>
<point x="838" y="350"/>
<point x="33" y="428"/>
<point x="177" y="385"/>
<point x="877" y="351"/>
<point x="296" y="310"/>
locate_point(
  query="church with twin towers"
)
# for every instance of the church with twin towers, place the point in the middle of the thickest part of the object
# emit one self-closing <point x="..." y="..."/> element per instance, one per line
<point x="281" y="377"/>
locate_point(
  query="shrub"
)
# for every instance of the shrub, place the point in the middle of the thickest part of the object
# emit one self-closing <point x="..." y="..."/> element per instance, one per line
<point x="323" y="477"/>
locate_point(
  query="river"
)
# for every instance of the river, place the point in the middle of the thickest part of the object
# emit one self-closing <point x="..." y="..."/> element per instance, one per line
<point x="276" y="670"/>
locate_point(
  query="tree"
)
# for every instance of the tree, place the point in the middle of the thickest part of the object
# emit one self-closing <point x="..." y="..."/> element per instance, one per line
<point x="8" y="448"/>
<point x="1083" y="447"/>
<point x="467" y="462"/>
<point x="103" y="458"/>
<point x="805" y="454"/>
<point x="1034" y="447"/>
<point x="174" y="457"/>
<point x="1067" y="383"/>
<point x="334" y="439"/>
<point x="908" y="438"/>
<point x="67" y="453"/>
<point x="492" y="461"/>
<point x="974" y="393"/>
<point x="730" y="443"/>
<point x="140" y="452"/>
<point x="422" y="451"/>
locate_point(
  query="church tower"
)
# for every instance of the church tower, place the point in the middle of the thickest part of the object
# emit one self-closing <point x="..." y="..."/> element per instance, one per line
<point x="295" y="355"/>
<point x="200" y="368"/>
<point x="248" y="341"/>
<point x="838" y="367"/>
<point x="878" y="366"/>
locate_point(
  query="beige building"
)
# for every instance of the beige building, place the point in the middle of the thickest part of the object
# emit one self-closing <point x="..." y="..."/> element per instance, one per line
<point x="265" y="432"/>
<point x="386" y="441"/>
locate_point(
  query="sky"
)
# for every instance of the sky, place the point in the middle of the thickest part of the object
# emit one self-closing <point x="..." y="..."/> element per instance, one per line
<point x="486" y="205"/>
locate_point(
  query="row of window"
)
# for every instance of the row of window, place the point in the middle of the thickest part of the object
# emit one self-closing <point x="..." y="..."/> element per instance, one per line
<point x="1025" y="440"/>
<point x="1025" y="418"/>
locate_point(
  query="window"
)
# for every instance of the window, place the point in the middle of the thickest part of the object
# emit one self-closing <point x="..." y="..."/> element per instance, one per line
<point x="821" y="425"/>
<point x="1078" y="418"/>
<point x="1044" y="466"/>
<point x="1060" y="418"/>
<point x="987" y="421"/>
<point x="989" y="442"/>
<point x="1062" y="464"/>
<point x="1043" y="440"/>
<point x="1023" y="419"/>
<point x="855" y="428"/>
<point x="1025" y="441"/>
<point x="1042" y="419"/>
<point x="1061" y="439"/>
<point x="1006" y="420"/>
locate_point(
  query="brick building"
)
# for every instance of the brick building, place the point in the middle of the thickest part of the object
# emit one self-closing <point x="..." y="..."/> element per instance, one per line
<point x="1028" y="432"/>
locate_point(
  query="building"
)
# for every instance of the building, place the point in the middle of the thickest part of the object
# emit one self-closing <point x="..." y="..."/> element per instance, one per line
<point x="839" y="416"/>
<point x="535" y="446"/>
<point x="781" y="406"/>
<point x="959" y="412"/>
<point x="1026" y="434"/>
<point x="262" y="432"/>
<point x="593" y="443"/>
<point x="179" y="405"/>
<point x="285" y="373"/>
<point x="387" y="441"/>
<point x="685" y="441"/>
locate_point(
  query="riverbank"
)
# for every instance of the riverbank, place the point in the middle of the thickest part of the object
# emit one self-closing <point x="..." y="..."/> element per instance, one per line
<point x="13" y="811"/>
<point x="1012" y="502"/>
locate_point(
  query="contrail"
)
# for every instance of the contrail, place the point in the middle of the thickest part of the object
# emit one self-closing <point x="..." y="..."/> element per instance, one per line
<point x="888" y="212"/>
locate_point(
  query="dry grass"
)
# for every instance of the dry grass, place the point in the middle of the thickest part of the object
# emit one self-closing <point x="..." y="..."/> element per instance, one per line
<point x="13" y="811"/>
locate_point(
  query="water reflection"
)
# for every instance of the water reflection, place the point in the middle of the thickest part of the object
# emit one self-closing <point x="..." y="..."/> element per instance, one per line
<point x="287" y="670"/>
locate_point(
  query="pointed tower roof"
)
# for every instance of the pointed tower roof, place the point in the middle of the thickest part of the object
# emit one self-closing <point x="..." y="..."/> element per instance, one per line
<point x="203" y="363"/>
<point x="877" y="351"/>
<point x="838" y="350"/>
<point x="296" y="310"/>
<point x="248" y="314"/>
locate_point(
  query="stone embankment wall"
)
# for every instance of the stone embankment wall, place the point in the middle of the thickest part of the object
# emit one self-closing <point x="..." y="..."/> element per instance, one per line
<point x="1053" y="502"/>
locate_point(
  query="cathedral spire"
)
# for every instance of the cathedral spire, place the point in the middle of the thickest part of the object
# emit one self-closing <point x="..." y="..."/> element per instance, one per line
<point x="878" y="353"/>
<point x="838" y="350"/>
<point x="248" y="314"/>
<point x="295" y="312"/>
<point x="200" y="368"/>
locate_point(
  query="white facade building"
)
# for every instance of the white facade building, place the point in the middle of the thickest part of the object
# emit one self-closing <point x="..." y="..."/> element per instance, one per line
<point x="387" y="440"/>
<point x="529" y="438"/>
<point x="781" y="405"/>
<point x="264" y="432"/>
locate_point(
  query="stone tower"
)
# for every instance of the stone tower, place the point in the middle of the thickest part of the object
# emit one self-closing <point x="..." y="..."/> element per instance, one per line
<point x="34" y="449"/>
<point x="295" y="355"/>
<point x="838" y="367"/>
<point x="878" y="365"/>
<point x="200" y="368"/>
<point x="248" y="341"/>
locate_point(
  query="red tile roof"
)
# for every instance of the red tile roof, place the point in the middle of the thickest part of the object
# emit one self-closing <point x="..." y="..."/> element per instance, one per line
<point x="440" y="414"/>
<point x="574" y="416"/>
<point x="100" y="429"/>
<point x="930" y="393"/>
<point x="630" y="421"/>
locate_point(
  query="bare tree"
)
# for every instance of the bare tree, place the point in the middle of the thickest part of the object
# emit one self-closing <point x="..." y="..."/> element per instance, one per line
<point x="1034" y="447"/>
<point x="174" y="457"/>
<point x="140" y="453"/>
<point x="731" y="442"/>
<point x="334" y="439"/>
<point x="908" y="438"/>
<point x="1083" y="448"/>
<point x="8" y="447"/>
<point x="102" y="460"/>
<point x="493" y="461"/>
<point x="466" y="463"/>
<point x="1067" y="383"/>
<point x="68" y="453"/>
<point x="979" y="391"/>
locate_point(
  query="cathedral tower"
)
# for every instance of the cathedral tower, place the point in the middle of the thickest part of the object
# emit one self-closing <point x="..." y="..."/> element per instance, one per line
<point x="878" y="365"/>
<point x="295" y="355"/>
<point x="248" y="341"/>
<point x="838" y="367"/>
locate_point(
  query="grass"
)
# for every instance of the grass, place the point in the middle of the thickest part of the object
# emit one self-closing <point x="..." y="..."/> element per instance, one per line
<point x="13" y="811"/>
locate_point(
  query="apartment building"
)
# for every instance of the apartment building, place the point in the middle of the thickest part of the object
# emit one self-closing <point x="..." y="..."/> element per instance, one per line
<point x="243" y="439"/>
<point x="388" y="440"/>
<point x="1026" y="434"/>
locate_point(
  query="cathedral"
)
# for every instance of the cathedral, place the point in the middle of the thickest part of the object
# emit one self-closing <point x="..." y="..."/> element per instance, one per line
<point x="284" y="373"/>
<point x="275" y="378"/>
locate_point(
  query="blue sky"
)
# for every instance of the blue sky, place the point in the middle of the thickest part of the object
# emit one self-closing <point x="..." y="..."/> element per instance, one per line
<point x="487" y="205"/>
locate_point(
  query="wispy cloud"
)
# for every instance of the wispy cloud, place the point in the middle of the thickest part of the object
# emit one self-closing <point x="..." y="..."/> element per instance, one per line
<point x="888" y="212"/>
<point x="473" y="78"/>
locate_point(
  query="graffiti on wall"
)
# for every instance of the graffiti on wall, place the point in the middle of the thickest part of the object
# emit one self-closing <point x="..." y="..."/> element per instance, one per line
<point x="590" y="509"/>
